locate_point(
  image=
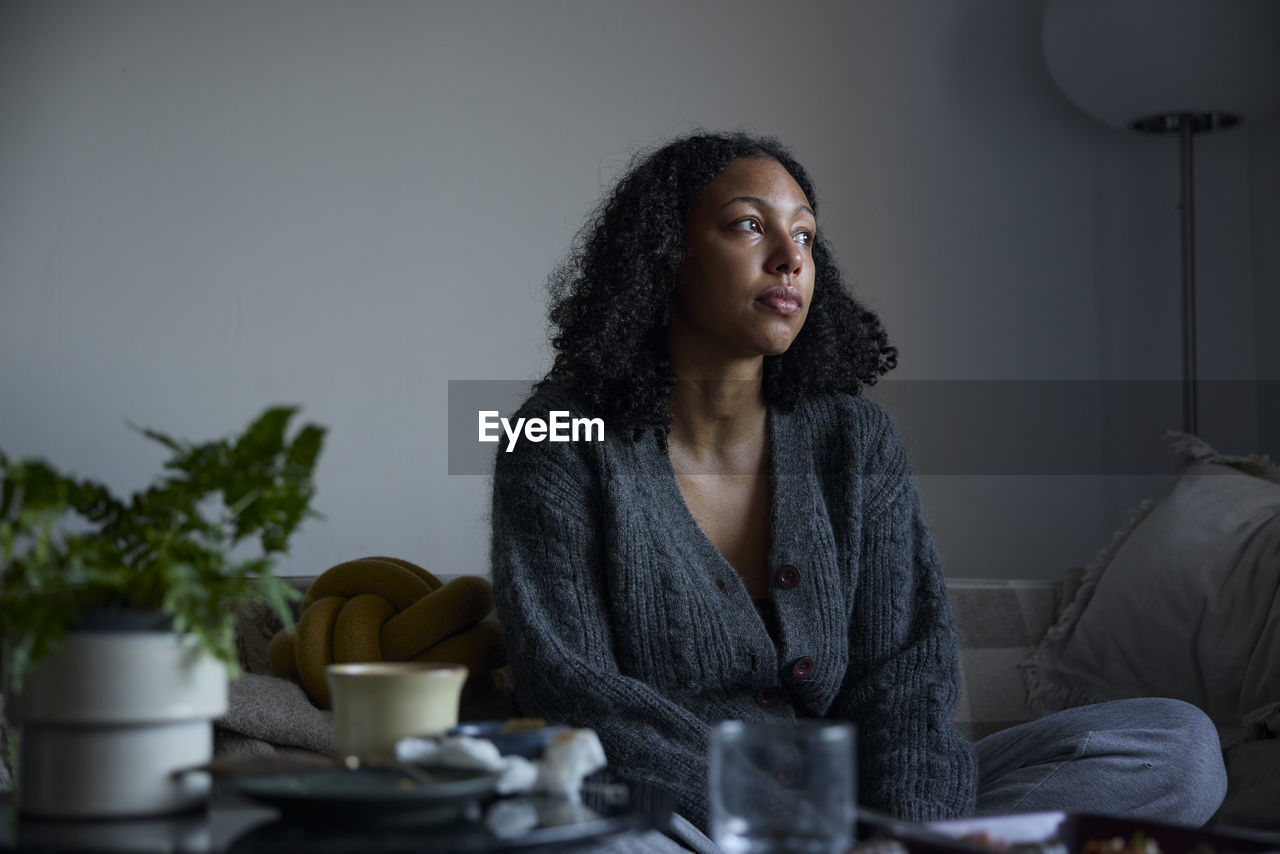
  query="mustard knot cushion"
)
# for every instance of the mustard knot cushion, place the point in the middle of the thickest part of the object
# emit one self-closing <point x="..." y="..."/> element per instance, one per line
<point x="387" y="609"/>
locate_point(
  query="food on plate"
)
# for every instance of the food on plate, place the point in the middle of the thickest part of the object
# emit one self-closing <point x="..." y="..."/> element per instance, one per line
<point x="1138" y="843"/>
<point x="1052" y="845"/>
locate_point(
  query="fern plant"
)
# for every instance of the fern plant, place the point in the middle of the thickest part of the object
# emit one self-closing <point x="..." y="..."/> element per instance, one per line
<point x="200" y="540"/>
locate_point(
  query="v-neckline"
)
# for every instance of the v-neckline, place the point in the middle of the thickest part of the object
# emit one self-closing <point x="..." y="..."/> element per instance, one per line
<point x="721" y="562"/>
<point x="794" y="538"/>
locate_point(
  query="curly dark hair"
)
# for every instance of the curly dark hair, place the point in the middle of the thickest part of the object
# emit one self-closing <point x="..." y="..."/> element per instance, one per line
<point x="612" y="298"/>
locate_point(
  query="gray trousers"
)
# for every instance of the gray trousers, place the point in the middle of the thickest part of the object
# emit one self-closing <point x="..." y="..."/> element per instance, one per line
<point x="1145" y="758"/>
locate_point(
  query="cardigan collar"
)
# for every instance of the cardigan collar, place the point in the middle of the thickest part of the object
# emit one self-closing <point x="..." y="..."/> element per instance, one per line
<point x="791" y="514"/>
<point x="800" y="531"/>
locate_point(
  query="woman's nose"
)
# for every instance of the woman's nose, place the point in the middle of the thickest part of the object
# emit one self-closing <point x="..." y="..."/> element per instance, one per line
<point x="787" y="258"/>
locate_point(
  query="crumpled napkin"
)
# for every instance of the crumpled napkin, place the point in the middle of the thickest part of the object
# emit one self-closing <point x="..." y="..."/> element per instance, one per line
<point x="566" y="762"/>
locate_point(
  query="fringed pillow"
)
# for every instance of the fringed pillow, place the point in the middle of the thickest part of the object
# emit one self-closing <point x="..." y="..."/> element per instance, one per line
<point x="1184" y="603"/>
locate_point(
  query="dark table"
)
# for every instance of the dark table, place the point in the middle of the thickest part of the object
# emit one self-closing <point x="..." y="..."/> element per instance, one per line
<point x="232" y="825"/>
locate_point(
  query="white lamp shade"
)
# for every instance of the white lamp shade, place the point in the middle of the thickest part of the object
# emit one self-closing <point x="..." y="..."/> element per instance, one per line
<point x="1125" y="60"/>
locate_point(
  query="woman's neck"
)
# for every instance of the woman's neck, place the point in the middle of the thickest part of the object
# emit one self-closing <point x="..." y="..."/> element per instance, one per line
<point x="718" y="416"/>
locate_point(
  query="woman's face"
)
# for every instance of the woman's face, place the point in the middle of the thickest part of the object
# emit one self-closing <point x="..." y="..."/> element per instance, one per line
<point x="746" y="283"/>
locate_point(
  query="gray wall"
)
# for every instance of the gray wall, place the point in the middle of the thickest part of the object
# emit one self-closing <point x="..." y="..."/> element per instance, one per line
<point x="206" y="208"/>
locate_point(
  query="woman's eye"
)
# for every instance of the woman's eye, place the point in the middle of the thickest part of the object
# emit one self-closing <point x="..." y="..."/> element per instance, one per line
<point x="748" y="225"/>
<point x="804" y="238"/>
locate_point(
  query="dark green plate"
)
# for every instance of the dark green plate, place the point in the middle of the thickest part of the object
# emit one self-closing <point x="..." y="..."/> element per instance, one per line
<point x="367" y="794"/>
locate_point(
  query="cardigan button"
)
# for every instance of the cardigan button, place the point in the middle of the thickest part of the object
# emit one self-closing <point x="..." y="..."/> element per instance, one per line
<point x="787" y="577"/>
<point x="769" y="696"/>
<point x="802" y="667"/>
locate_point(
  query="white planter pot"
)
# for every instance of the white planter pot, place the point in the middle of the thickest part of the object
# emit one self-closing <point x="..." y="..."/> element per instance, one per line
<point x="109" y="716"/>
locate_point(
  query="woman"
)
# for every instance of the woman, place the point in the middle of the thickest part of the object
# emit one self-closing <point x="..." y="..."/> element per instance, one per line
<point x="747" y="541"/>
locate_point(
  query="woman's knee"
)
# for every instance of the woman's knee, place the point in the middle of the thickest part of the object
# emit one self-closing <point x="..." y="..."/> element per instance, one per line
<point x="1207" y="763"/>
<point x="1185" y="742"/>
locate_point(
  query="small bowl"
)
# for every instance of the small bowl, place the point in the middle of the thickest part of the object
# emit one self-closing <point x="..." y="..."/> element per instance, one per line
<point x="528" y="742"/>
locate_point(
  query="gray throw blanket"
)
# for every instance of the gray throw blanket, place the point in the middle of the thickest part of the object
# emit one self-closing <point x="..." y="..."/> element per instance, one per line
<point x="266" y="713"/>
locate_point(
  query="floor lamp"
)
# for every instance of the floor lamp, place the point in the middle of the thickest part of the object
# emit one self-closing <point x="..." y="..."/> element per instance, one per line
<point x="1176" y="67"/>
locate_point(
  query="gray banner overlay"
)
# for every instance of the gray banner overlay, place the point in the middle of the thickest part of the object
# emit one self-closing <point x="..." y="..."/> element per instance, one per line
<point x="467" y="399"/>
<point x="968" y="427"/>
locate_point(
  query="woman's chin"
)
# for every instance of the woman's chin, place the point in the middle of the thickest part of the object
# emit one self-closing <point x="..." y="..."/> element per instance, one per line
<point x="777" y="337"/>
<point x="776" y="345"/>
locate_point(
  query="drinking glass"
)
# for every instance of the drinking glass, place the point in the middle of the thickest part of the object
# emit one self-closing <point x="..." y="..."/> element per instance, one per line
<point x="785" y="787"/>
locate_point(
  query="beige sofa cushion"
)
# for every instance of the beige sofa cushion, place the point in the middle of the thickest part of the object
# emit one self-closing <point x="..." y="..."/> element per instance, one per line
<point x="1188" y="606"/>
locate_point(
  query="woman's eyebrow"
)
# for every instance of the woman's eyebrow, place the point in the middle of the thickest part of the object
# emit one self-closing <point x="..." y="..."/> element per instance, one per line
<point x="755" y="200"/>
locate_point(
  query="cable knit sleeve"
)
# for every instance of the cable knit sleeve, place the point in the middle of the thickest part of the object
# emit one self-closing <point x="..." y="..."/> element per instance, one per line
<point x="904" y="678"/>
<point x="546" y="571"/>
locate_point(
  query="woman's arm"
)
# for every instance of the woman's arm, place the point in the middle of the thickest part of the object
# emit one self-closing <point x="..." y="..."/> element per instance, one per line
<point x="904" y="678"/>
<point x="547" y="567"/>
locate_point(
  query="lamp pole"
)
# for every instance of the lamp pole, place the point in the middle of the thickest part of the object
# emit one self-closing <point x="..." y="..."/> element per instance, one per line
<point x="1186" y="126"/>
<point x="1190" y="403"/>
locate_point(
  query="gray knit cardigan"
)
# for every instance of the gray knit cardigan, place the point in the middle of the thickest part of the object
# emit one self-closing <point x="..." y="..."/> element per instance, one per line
<point x="620" y="615"/>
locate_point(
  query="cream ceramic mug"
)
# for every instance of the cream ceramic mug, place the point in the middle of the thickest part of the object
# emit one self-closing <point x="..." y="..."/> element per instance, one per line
<point x="377" y="703"/>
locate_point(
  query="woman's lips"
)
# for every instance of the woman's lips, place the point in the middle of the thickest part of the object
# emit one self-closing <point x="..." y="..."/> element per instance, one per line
<point x="785" y="300"/>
